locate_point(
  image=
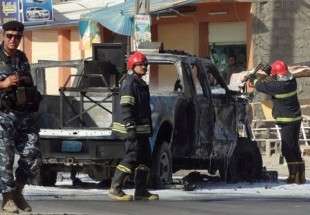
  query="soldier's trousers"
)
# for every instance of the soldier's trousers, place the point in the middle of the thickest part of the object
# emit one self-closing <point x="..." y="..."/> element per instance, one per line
<point x="18" y="135"/>
<point x="289" y="139"/>
<point x="137" y="152"/>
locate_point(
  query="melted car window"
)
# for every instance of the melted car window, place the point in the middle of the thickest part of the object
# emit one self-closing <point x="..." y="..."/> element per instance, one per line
<point x="197" y="82"/>
<point x="167" y="79"/>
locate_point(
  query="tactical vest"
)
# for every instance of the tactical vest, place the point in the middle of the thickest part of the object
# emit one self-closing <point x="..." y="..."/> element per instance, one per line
<point x="24" y="97"/>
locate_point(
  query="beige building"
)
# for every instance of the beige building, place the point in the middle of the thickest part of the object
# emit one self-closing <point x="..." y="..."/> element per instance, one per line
<point x="213" y="28"/>
<point x="59" y="40"/>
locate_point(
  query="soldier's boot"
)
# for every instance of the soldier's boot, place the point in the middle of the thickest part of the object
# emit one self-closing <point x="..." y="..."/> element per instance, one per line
<point x="300" y="175"/>
<point x="142" y="173"/>
<point x="292" y="169"/>
<point x="19" y="198"/>
<point x="8" y="204"/>
<point x="116" y="192"/>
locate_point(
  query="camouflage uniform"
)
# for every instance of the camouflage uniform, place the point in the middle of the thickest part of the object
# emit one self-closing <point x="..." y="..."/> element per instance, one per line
<point x="17" y="134"/>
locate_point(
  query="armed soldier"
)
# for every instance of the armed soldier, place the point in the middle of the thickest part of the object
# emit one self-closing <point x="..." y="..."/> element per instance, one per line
<point x="18" y="99"/>
<point x="136" y="125"/>
<point x="282" y="87"/>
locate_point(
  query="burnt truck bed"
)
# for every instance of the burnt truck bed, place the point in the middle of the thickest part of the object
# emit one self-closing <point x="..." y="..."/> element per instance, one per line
<point x="92" y="151"/>
<point x="197" y="123"/>
<point x="79" y="146"/>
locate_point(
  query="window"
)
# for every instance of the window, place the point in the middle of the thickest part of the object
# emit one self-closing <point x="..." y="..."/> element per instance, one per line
<point x="227" y="45"/>
<point x="197" y="82"/>
<point x="168" y="79"/>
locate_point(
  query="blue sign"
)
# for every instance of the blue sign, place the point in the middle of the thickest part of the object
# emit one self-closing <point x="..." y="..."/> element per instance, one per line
<point x="37" y="11"/>
<point x="9" y="11"/>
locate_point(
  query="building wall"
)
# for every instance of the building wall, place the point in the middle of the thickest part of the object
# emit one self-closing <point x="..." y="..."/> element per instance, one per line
<point x="45" y="47"/>
<point x="54" y="44"/>
<point x="189" y="32"/>
<point x="75" y="47"/>
<point x="194" y="30"/>
<point x="201" y="17"/>
<point x="182" y="38"/>
<point x="281" y="31"/>
<point x="178" y="36"/>
<point x="75" y="44"/>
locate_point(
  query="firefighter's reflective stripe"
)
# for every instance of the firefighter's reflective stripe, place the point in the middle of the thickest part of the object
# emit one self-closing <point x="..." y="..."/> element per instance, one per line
<point x="123" y="168"/>
<point x="118" y="127"/>
<point x="288" y="119"/>
<point x="140" y="129"/>
<point x="127" y="100"/>
<point x="143" y="129"/>
<point x="285" y="95"/>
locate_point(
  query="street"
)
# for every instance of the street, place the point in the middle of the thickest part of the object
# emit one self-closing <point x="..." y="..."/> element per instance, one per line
<point x="207" y="204"/>
<point x="125" y="93"/>
<point x="208" y="198"/>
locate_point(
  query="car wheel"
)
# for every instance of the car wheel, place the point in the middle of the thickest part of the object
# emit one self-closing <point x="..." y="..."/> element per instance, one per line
<point x="48" y="176"/>
<point x="162" y="166"/>
<point x="245" y="164"/>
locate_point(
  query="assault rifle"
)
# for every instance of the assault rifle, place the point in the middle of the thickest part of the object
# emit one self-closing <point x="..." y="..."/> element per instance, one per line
<point x="253" y="75"/>
<point x="264" y="67"/>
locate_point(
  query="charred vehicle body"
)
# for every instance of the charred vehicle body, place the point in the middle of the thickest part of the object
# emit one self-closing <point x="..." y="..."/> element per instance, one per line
<point x="198" y="123"/>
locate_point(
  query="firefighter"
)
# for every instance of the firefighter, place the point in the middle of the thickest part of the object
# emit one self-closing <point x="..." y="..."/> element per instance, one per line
<point x="282" y="87"/>
<point x="17" y="131"/>
<point x="136" y="125"/>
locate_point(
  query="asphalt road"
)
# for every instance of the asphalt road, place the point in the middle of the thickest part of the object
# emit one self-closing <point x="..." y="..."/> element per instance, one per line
<point x="203" y="206"/>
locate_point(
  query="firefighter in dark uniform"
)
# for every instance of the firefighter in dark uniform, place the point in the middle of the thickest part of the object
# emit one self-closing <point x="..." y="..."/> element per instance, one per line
<point x="136" y="125"/>
<point x="282" y="87"/>
<point x="18" y="99"/>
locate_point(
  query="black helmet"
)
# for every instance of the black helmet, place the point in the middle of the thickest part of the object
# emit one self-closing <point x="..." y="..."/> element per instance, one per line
<point x="13" y="26"/>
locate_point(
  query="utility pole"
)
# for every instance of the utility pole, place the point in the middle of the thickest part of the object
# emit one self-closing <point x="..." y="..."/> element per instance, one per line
<point x="142" y="23"/>
<point x="142" y="7"/>
<point x="142" y="27"/>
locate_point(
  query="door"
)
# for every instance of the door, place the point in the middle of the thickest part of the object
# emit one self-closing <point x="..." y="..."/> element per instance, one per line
<point x="204" y="112"/>
<point x="225" y="128"/>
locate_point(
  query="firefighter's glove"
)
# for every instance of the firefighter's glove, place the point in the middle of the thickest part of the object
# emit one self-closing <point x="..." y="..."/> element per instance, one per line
<point x="36" y="166"/>
<point x="131" y="130"/>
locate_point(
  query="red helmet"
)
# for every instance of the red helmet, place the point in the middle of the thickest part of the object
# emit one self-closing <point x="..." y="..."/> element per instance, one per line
<point x="279" y="68"/>
<point x="135" y="58"/>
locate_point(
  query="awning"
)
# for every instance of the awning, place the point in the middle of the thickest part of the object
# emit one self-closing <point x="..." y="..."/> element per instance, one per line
<point x="119" y="18"/>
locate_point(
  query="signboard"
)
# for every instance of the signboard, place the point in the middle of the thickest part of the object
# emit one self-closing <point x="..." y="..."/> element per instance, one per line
<point x="9" y="11"/>
<point x="36" y="11"/>
<point x="142" y="30"/>
<point x="89" y="33"/>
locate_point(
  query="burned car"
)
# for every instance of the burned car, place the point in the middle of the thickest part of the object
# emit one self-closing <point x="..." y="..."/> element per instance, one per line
<point x="198" y="123"/>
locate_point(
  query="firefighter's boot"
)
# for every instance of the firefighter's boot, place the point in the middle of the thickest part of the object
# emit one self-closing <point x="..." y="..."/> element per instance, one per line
<point x="116" y="192"/>
<point x="19" y="198"/>
<point x="141" y="178"/>
<point x="300" y="175"/>
<point x="8" y="204"/>
<point x="292" y="169"/>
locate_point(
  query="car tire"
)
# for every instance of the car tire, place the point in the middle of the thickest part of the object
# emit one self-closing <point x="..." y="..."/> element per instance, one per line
<point x="48" y="176"/>
<point x="162" y="166"/>
<point x="245" y="164"/>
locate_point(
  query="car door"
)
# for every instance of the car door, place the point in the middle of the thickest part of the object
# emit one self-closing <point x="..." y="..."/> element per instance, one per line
<point x="225" y="129"/>
<point x="184" y="134"/>
<point x="204" y="112"/>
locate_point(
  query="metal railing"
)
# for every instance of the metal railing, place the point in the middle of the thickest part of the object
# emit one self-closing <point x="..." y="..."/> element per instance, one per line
<point x="267" y="134"/>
